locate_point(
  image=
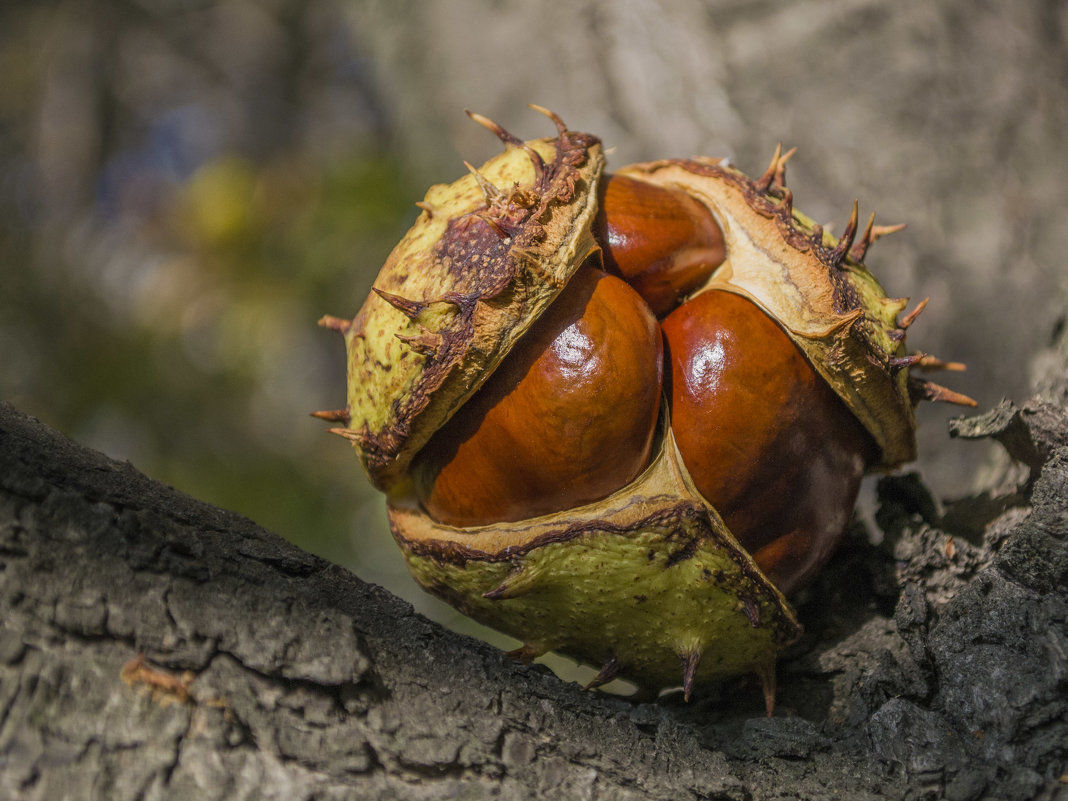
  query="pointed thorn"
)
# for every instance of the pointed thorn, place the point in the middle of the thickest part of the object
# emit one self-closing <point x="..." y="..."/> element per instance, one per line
<point x="498" y="130"/>
<point x="879" y="231"/>
<point x="410" y="308"/>
<point x="333" y="415"/>
<point x="780" y="173"/>
<point x="609" y="671"/>
<point x="921" y="390"/>
<point x="900" y="362"/>
<point x="491" y="193"/>
<point x="561" y="128"/>
<point x="427" y="343"/>
<point x="934" y="363"/>
<point x="425" y="207"/>
<point x="347" y="433"/>
<point x="763" y="183"/>
<point x="526" y="653"/>
<point x="690" y="661"/>
<point x="335" y="323"/>
<point x="860" y="250"/>
<point x="766" y="674"/>
<point x="845" y="242"/>
<point x="910" y="318"/>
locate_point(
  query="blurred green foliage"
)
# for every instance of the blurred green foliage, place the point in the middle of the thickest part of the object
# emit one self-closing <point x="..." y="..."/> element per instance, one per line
<point x="176" y="215"/>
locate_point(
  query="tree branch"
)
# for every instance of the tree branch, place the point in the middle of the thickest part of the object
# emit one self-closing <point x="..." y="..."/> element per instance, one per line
<point x="157" y="647"/>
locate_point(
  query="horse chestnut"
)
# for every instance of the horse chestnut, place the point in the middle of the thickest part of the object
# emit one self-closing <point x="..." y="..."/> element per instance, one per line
<point x="568" y="418"/>
<point x="662" y="241"/>
<point x="553" y="472"/>
<point x="766" y="441"/>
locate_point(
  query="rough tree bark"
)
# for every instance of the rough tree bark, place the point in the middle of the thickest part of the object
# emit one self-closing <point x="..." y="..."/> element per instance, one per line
<point x="156" y="647"/>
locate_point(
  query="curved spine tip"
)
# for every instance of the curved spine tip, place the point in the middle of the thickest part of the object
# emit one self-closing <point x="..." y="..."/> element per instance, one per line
<point x="934" y="363"/>
<point x="766" y="674"/>
<point x="335" y="323"/>
<point x="526" y="653"/>
<point x="495" y="128"/>
<point x="346" y="433"/>
<point x="763" y="183"/>
<point x="921" y="390"/>
<point x="780" y="173"/>
<point x="910" y="318"/>
<point x="410" y="308"/>
<point x="879" y="231"/>
<point x="609" y="670"/>
<point x="774" y="176"/>
<point x="690" y="661"/>
<point x="860" y="250"/>
<point x="333" y="415"/>
<point x="561" y="128"/>
<point x="845" y="242"/>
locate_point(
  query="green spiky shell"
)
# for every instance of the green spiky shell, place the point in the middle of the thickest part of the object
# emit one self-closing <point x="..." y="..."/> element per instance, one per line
<point x="648" y="582"/>
<point x="647" y="579"/>
<point x="486" y="257"/>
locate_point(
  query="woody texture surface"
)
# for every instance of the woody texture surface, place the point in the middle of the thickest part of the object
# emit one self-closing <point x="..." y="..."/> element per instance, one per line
<point x="157" y="647"/>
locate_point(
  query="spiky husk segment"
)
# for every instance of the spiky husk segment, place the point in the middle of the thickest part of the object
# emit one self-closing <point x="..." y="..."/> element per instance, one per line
<point x="648" y="582"/>
<point x="812" y="284"/>
<point x="486" y="257"/>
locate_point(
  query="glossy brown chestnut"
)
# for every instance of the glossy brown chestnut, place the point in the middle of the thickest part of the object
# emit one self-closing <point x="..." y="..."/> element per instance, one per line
<point x="661" y="241"/>
<point x="566" y="419"/>
<point x="766" y="440"/>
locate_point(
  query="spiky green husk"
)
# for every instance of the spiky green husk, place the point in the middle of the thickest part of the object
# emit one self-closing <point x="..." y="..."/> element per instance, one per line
<point x="486" y="257"/>
<point x="649" y="579"/>
<point x="647" y="583"/>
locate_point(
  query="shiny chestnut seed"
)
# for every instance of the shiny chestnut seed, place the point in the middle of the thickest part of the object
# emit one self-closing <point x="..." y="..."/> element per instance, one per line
<point x="567" y="418"/>
<point x="766" y="440"/>
<point x="661" y="241"/>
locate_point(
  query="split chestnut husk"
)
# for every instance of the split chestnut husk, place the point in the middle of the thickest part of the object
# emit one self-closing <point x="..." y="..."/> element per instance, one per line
<point x="551" y="472"/>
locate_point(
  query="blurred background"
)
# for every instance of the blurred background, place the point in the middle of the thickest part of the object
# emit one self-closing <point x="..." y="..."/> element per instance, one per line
<point x="187" y="185"/>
